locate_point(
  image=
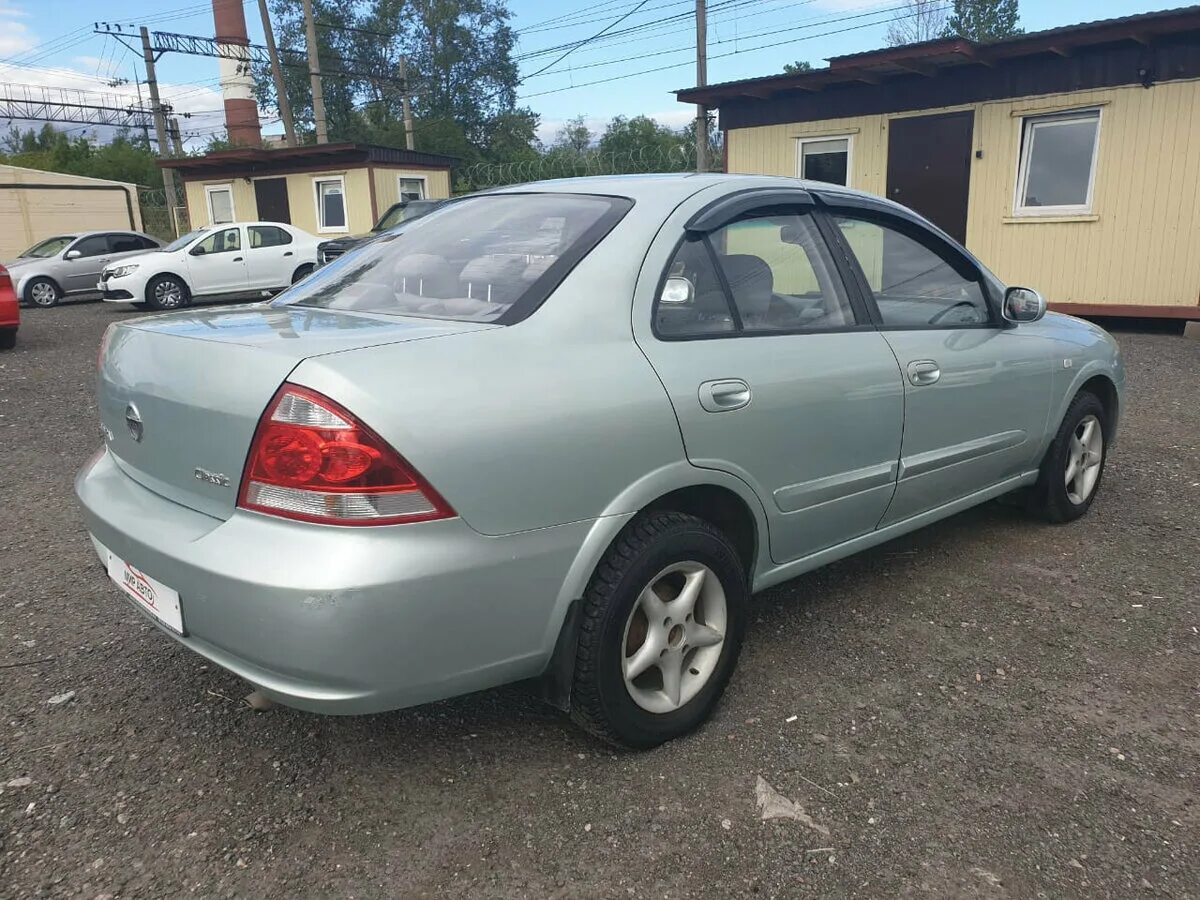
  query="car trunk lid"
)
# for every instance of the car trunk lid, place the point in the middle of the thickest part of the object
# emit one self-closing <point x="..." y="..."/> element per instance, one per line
<point x="180" y="395"/>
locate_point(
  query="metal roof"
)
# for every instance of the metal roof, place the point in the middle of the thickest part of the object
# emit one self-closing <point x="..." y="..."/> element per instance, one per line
<point x="260" y="158"/>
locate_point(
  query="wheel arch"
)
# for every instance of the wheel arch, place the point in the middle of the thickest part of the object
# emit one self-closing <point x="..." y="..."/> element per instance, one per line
<point x="311" y="267"/>
<point x="715" y="496"/>
<point x="1105" y="389"/>
<point x="166" y="273"/>
<point x="27" y="283"/>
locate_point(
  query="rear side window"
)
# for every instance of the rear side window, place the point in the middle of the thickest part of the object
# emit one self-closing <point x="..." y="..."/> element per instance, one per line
<point x="268" y="236"/>
<point x="124" y="243"/>
<point x="489" y="258"/>
<point x="148" y="243"/>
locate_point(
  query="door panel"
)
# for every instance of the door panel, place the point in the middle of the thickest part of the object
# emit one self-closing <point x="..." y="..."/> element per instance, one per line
<point x="221" y="269"/>
<point x="271" y="197"/>
<point x="270" y="257"/>
<point x="82" y="273"/>
<point x="929" y="167"/>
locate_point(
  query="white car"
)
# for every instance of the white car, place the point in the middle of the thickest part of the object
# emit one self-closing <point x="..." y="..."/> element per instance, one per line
<point x="213" y="262"/>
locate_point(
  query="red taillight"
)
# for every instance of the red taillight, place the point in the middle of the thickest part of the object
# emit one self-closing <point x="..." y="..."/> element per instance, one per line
<point x="6" y="285"/>
<point x="312" y="460"/>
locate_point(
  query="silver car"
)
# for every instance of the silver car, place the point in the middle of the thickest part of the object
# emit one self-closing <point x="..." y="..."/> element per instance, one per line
<point x="564" y="431"/>
<point x="69" y="264"/>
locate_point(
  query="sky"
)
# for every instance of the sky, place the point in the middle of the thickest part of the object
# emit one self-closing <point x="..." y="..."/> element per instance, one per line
<point x="50" y="44"/>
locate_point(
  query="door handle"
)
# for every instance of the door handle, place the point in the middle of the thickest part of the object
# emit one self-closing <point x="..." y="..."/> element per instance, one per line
<point x="236" y="259"/>
<point x="289" y="253"/>
<point x="924" y="371"/>
<point x="724" y="395"/>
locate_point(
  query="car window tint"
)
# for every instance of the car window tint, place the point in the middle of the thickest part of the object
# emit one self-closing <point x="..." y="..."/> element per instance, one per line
<point x="96" y="245"/>
<point x="691" y="300"/>
<point x="148" y="243"/>
<point x="914" y="286"/>
<point x="780" y="274"/>
<point x="267" y="236"/>
<point x="124" y="243"/>
<point x="223" y="241"/>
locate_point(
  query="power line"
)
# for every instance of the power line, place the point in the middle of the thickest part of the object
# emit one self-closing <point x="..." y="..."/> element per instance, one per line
<point x="585" y="41"/>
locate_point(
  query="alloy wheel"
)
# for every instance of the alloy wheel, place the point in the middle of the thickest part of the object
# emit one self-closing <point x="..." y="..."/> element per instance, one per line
<point x="43" y="294"/>
<point x="1084" y="455"/>
<point x="168" y="294"/>
<point x="673" y="637"/>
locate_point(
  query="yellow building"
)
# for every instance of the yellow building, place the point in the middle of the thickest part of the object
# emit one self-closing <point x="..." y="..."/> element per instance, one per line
<point x="324" y="189"/>
<point x="1067" y="160"/>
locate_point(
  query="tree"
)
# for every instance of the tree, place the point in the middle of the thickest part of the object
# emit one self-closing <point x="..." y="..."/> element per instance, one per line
<point x="124" y="158"/>
<point x="917" y="21"/>
<point x="645" y="143"/>
<point x="984" y="20"/>
<point x="573" y="137"/>
<point x="800" y="65"/>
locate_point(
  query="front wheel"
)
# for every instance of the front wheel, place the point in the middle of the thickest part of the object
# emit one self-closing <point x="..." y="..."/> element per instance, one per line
<point x="662" y="624"/>
<point x="42" y="292"/>
<point x="8" y="339"/>
<point x="166" y="292"/>
<point x="301" y="273"/>
<point x="1074" y="465"/>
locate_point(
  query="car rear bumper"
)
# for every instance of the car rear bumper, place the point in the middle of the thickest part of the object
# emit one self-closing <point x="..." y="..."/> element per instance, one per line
<point x="338" y="619"/>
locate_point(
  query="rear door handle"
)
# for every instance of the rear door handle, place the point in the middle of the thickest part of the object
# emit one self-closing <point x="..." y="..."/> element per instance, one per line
<point x="236" y="259"/>
<point x="289" y="253"/>
<point x="924" y="371"/>
<point x="724" y="395"/>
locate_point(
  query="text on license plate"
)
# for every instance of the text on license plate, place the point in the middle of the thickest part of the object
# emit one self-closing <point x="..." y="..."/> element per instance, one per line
<point x="152" y="595"/>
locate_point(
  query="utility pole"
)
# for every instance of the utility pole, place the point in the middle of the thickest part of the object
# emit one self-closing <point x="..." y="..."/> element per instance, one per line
<point x="146" y="126"/>
<point x="314" y="71"/>
<point x="408" y="122"/>
<point x="285" y="108"/>
<point x="176" y="137"/>
<point x="701" y="81"/>
<point x="160" y="125"/>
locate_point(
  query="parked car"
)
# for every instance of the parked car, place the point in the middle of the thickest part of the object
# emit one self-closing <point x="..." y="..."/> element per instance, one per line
<point x="214" y="262"/>
<point x="69" y="264"/>
<point x="10" y="311"/>
<point x="397" y="214"/>
<point x="442" y="464"/>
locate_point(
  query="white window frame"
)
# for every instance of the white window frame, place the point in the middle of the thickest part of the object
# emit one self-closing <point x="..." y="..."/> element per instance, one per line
<point x="818" y="138"/>
<point x="400" y="179"/>
<point x="209" y="190"/>
<point x="317" y="181"/>
<point x="1025" y="142"/>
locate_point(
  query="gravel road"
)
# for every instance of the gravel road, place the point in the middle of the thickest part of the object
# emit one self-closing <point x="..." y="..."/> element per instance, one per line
<point x="990" y="707"/>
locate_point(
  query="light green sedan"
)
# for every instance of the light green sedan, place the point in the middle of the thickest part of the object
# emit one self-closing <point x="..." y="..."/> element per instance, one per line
<point x="563" y="431"/>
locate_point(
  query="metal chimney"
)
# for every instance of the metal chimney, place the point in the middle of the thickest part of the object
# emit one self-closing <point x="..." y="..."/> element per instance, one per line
<point x="241" y="112"/>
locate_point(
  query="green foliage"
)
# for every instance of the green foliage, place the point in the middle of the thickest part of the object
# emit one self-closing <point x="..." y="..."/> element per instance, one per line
<point x="644" y="135"/>
<point x="984" y="20"/>
<point x="800" y="65"/>
<point x="126" y="158"/>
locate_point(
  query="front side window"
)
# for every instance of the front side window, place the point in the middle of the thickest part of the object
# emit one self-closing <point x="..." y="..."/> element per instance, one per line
<point x="914" y="285"/>
<point x="412" y="189"/>
<point x="778" y="273"/>
<point x="331" y="204"/>
<point x="96" y="245"/>
<point x="1058" y="163"/>
<point x="268" y="236"/>
<point x="825" y="159"/>
<point x="220" y="203"/>
<point x="476" y="260"/>
<point x="224" y="241"/>
<point x="49" y="247"/>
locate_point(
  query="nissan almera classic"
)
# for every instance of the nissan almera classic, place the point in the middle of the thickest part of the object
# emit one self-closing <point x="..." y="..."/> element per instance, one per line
<point x="564" y="430"/>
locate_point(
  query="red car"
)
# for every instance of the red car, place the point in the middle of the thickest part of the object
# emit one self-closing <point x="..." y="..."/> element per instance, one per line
<point x="10" y="312"/>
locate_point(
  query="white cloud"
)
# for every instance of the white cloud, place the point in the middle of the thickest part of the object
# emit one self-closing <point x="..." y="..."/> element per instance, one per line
<point x="15" y="37"/>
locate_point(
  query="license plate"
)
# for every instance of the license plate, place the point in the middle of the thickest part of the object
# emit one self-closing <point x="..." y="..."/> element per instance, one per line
<point x="152" y="595"/>
<point x="102" y="285"/>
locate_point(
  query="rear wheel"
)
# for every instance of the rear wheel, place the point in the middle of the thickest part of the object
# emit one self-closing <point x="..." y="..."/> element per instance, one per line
<point x="8" y="338"/>
<point x="42" y="292"/>
<point x="662" y="625"/>
<point x="301" y="273"/>
<point x="166" y="292"/>
<point x="1074" y="465"/>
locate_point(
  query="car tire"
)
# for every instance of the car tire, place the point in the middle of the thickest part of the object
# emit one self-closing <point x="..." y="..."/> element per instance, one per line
<point x="303" y="272"/>
<point x="42" y="293"/>
<point x="1073" y="466"/>
<point x="8" y="339"/>
<point x="636" y="613"/>
<point x="167" y="292"/>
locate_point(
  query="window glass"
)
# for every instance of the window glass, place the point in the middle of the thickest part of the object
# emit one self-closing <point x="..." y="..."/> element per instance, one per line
<point x="692" y="300"/>
<point x="96" y="245"/>
<point x="780" y="274"/>
<point x="223" y="241"/>
<point x="825" y="160"/>
<point x="220" y="205"/>
<point x="268" y="236"/>
<point x="49" y="247"/>
<point x="412" y="188"/>
<point x="913" y="285"/>
<point x="331" y="205"/>
<point x="1057" y="153"/>
<point x="472" y="261"/>
<point x="124" y="243"/>
<point x="147" y="243"/>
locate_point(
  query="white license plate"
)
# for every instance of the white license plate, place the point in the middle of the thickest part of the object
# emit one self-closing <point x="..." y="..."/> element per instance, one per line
<point x="152" y="595"/>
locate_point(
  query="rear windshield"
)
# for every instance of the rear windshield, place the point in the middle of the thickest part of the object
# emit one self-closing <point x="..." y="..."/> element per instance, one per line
<point x="493" y="257"/>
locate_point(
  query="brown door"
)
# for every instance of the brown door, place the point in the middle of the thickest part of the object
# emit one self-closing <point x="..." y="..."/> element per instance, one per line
<point x="929" y="168"/>
<point x="272" y="198"/>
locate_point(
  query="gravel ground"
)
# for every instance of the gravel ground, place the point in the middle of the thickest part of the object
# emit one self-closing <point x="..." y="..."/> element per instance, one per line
<point x="990" y="707"/>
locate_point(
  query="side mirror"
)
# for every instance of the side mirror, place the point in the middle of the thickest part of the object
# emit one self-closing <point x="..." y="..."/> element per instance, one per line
<point x="1023" y="305"/>
<point x="72" y="254"/>
<point x="676" y="290"/>
<point x="198" y="250"/>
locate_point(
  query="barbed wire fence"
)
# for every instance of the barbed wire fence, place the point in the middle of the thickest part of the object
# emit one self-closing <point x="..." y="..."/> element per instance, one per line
<point x="577" y="164"/>
<point x="160" y="218"/>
